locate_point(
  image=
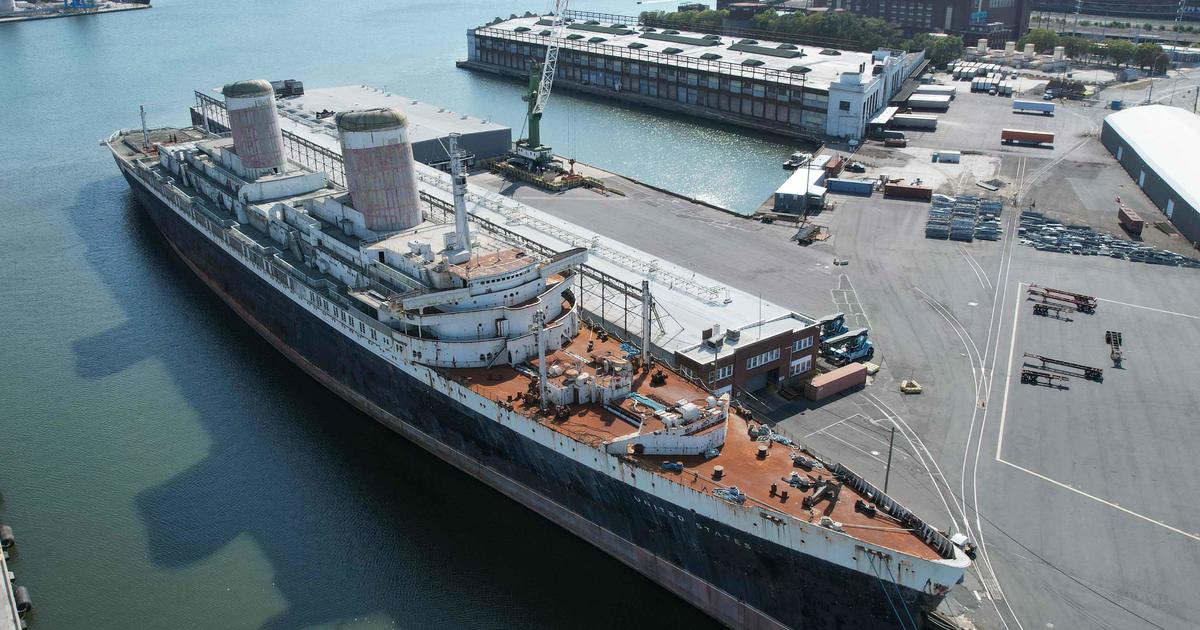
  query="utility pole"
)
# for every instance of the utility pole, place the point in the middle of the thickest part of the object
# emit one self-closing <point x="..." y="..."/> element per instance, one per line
<point x="1078" y="8"/>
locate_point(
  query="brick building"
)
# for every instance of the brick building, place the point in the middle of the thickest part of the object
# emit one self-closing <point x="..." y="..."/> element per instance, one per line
<point x="750" y="358"/>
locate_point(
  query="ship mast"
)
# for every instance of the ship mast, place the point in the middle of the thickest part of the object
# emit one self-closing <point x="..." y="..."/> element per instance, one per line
<point x="539" y="323"/>
<point x="647" y="305"/>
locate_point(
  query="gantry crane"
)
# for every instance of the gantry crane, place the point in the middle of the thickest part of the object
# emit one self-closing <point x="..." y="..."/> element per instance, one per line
<point x="530" y="151"/>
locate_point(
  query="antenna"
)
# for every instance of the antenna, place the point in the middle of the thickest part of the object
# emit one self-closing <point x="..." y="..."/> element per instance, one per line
<point x="145" y="131"/>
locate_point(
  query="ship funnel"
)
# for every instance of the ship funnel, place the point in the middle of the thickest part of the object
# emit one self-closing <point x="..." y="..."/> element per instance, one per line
<point x="380" y="173"/>
<point x="257" y="139"/>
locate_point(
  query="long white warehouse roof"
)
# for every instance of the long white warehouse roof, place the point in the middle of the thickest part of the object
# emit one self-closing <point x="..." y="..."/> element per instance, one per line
<point x="1166" y="138"/>
<point x="826" y="64"/>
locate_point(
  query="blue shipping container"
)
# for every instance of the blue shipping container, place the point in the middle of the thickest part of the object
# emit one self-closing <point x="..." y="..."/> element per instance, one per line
<point x="851" y="186"/>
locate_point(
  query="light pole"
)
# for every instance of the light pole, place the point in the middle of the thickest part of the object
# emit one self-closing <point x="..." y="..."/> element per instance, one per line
<point x="1154" y="64"/>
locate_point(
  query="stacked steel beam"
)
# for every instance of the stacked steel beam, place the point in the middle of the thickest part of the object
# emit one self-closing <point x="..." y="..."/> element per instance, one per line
<point x="1041" y="233"/>
<point x="964" y="218"/>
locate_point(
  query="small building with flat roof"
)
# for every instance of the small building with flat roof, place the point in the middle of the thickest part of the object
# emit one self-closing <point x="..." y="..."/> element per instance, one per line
<point x="775" y="351"/>
<point x="1157" y="146"/>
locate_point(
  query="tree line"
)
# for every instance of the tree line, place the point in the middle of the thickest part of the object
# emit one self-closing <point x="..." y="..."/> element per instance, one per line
<point x="868" y="33"/>
<point x="1118" y="51"/>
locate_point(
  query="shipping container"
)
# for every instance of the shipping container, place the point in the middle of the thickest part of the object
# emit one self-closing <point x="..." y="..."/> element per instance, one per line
<point x="895" y="142"/>
<point x="945" y="90"/>
<point x="1130" y="220"/>
<point x="908" y="191"/>
<point x="834" y="166"/>
<point x="951" y="157"/>
<point x="1022" y="136"/>
<point x="851" y="186"/>
<point x="915" y="121"/>
<point x="825" y="385"/>
<point x="929" y="101"/>
<point x="1045" y="108"/>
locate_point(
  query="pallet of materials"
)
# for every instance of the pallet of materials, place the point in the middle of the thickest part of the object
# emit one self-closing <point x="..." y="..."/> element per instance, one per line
<point x="1130" y="220"/>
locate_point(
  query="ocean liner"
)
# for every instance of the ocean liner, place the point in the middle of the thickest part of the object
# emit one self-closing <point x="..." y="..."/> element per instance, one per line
<point x="475" y="347"/>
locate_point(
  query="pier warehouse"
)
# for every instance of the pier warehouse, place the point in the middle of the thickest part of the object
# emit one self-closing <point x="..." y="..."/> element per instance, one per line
<point x="791" y="89"/>
<point x="1156" y="145"/>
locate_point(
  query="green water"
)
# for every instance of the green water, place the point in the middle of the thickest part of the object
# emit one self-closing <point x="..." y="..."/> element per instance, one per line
<point x="165" y="468"/>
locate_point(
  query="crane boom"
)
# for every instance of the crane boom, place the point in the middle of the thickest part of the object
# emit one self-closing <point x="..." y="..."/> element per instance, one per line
<point x="558" y="27"/>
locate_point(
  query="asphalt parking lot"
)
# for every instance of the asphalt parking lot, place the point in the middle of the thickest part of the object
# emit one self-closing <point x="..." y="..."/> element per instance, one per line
<point x="1081" y="498"/>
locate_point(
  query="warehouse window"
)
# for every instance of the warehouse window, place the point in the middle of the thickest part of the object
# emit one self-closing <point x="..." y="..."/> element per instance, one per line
<point x="802" y="344"/>
<point x="800" y="366"/>
<point x="720" y="374"/>
<point x="762" y="359"/>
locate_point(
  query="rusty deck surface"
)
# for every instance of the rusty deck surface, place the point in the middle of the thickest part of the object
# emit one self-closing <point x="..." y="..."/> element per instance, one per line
<point x="592" y="424"/>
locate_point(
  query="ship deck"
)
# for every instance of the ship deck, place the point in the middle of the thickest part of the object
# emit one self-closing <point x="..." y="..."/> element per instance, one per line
<point x="593" y="424"/>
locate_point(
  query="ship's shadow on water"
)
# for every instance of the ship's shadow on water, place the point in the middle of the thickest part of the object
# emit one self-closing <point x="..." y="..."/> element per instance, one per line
<point x="355" y="522"/>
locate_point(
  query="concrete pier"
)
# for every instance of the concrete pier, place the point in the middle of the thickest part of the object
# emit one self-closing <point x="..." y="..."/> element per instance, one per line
<point x="59" y="12"/>
<point x="9" y="619"/>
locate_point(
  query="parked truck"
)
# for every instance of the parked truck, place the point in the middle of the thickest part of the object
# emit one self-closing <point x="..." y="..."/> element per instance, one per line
<point x="848" y="347"/>
<point x="1046" y="108"/>
<point x="1023" y="136"/>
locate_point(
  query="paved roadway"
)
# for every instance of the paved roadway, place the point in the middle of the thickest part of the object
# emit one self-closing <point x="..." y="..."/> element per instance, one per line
<point x="1081" y="498"/>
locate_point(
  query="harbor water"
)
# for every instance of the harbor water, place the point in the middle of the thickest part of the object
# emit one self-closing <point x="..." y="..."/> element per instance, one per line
<point x="162" y="466"/>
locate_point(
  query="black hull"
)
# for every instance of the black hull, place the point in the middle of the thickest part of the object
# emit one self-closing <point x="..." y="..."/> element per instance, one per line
<point x="739" y="580"/>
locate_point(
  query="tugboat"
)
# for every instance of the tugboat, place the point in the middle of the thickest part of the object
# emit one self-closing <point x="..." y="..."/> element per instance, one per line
<point x="798" y="159"/>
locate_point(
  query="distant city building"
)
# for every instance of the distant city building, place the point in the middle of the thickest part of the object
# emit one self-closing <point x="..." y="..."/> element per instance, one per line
<point x="996" y="20"/>
<point x="743" y="10"/>
<point x="1141" y="9"/>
